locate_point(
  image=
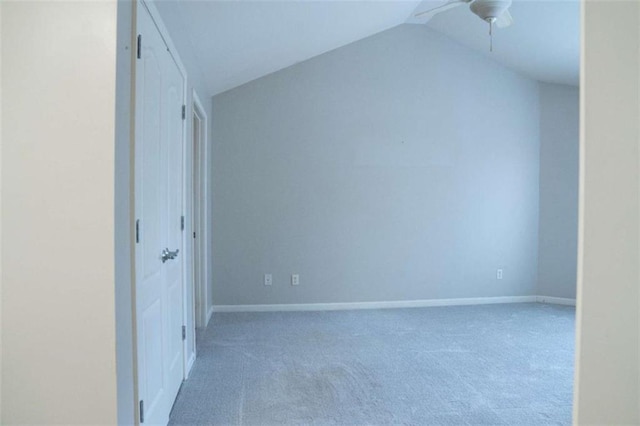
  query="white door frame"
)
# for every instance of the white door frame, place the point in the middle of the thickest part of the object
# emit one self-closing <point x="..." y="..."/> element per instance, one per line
<point x="187" y="262"/>
<point x="200" y="189"/>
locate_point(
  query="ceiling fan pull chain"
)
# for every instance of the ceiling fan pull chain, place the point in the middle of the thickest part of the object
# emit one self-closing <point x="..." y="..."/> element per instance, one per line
<point x="490" y="35"/>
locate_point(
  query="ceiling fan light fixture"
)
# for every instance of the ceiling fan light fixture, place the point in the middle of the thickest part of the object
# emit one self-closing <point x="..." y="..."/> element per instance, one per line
<point x="489" y="10"/>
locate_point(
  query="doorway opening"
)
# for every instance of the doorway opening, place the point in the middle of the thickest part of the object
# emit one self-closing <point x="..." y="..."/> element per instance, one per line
<point x="203" y="307"/>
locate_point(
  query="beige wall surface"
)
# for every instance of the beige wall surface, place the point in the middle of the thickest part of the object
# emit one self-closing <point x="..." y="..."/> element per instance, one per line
<point x="58" y="320"/>
<point x="607" y="385"/>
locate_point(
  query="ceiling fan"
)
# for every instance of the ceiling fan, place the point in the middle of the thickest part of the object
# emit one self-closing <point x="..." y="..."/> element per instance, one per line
<point x="492" y="11"/>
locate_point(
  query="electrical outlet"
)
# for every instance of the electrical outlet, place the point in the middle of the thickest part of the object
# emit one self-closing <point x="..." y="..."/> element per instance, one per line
<point x="295" y="279"/>
<point x="268" y="279"/>
<point x="499" y="274"/>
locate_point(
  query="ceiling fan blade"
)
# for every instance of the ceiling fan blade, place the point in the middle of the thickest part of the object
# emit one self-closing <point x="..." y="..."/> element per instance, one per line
<point x="448" y="5"/>
<point x="504" y="20"/>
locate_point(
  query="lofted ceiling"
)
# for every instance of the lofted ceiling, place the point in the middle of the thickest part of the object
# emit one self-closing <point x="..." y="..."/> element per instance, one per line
<point x="236" y="41"/>
<point x="543" y="42"/>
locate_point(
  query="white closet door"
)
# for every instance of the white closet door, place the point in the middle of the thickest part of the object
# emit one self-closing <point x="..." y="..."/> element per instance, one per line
<point x="158" y="189"/>
<point x="173" y="92"/>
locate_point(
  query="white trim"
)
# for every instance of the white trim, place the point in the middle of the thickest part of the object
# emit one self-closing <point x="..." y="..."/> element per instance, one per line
<point x="374" y="305"/>
<point x="556" y="300"/>
<point x="190" y="362"/>
<point x="209" y="315"/>
<point x="581" y="194"/>
<point x="200" y="222"/>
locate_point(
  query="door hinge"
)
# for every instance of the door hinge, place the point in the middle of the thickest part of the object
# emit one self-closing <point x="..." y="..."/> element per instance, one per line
<point x="141" y="411"/>
<point x="184" y="112"/>
<point x="139" y="47"/>
<point x="184" y="332"/>
<point x="194" y="235"/>
<point x="137" y="230"/>
<point x="182" y="223"/>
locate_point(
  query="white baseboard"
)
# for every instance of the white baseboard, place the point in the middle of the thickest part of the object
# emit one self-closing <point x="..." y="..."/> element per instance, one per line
<point x="190" y="362"/>
<point x="556" y="300"/>
<point x="209" y="314"/>
<point x="375" y="305"/>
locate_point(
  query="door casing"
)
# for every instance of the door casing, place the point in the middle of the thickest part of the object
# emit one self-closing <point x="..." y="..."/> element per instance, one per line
<point x="200" y="186"/>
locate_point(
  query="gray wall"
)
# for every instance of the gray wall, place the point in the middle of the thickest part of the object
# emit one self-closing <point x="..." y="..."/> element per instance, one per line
<point x="123" y="159"/>
<point x="377" y="173"/>
<point x="559" y="153"/>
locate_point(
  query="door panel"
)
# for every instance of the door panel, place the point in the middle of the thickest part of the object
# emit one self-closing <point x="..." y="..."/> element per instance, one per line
<point x="158" y="206"/>
<point x="152" y="163"/>
<point x="152" y="338"/>
<point x="150" y="199"/>
<point x="174" y="94"/>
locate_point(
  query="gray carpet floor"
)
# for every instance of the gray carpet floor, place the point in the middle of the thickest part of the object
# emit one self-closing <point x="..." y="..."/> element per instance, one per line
<point x="493" y="364"/>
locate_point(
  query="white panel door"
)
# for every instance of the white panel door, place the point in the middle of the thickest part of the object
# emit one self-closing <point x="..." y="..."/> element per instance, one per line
<point x="158" y="205"/>
<point x="173" y="92"/>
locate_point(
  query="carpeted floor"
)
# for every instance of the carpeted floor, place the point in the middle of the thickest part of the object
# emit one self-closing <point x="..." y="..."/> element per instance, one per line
<point x="493" y="364"/>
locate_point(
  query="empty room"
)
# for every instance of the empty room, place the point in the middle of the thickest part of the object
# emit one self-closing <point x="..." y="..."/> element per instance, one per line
<point x="334" y="212"/>
<point x="374" y="169"/>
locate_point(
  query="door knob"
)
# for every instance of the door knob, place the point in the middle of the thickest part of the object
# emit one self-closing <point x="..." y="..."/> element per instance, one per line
<point x="168" y="254"/>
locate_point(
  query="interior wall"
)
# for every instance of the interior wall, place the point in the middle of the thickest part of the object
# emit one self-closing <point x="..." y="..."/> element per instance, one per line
<point x="607" y="389"/>
<point x="123" y="208"/>
<point x="172" y="18"/>
<point x="0" y="210"/>
<point x="559" y="158"/>
<point x="377" y="174"/>
<point x="58" y="313"/>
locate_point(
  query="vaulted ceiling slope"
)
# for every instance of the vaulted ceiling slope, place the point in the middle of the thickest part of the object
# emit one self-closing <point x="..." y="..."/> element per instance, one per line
<point x="236" y="41"/>
<point x="543" y="42"/>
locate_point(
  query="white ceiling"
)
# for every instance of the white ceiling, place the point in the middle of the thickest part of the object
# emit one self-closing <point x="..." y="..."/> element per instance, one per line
<point x="543" y="42"/>
<point x="239" y="41"/>
<point x="236" y="41"/>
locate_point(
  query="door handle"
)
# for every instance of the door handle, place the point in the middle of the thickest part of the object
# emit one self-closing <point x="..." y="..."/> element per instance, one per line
<point x="168" y="254"/>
